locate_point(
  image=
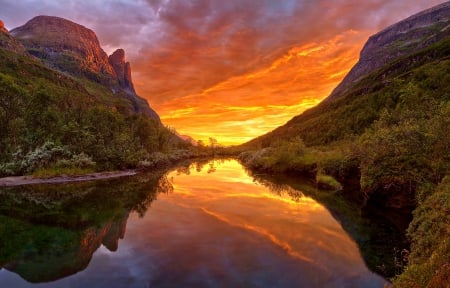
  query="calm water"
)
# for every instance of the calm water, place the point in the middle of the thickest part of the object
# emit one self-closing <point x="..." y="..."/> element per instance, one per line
<point x="207" y="225"/>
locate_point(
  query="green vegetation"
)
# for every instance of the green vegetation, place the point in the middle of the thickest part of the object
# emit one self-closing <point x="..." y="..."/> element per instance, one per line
<point x="323" y="164"/>
<point x="50" y="121"/>
<point x="390" y="133"/>
<point x="430" y="242"/>
<point x="327" y="182"/>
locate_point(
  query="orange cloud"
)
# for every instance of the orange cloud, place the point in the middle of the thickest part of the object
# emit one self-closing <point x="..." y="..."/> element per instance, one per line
<point x="246" y="106"/>
<point x="229" y="69"/>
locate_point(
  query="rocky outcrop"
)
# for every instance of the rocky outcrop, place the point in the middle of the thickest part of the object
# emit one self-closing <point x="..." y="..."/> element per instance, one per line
<point x="122" y="69"/>
<point x="66" y="46"/>
<point x="75" y="49"/>
<point x="2" y="27"/>
<point x="8" y="42"/>
<point x="396" y="41"/>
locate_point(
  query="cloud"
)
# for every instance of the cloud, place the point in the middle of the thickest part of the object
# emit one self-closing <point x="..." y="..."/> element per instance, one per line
<point x="208" y="64"/>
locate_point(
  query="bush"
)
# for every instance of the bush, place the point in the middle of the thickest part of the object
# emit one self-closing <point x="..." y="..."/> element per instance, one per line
<point x="429" y="261"/>
<point x="47" y="156"/>
<point x="327" y="182"/>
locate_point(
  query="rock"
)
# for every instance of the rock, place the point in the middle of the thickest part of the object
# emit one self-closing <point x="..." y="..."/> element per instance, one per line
<point x="398" y="40"/>
<point x="10" y="43"/>
<point x="122" y="70"/>
<point x="2" y="27"/>
<point x="74" y="49"/>
<point x="66" y="46"/>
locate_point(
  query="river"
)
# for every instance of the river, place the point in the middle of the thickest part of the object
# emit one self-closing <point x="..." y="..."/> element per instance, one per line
<point x="207" y="224"/>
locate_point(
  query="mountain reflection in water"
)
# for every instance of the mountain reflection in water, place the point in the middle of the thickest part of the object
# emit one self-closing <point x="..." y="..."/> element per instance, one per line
<point x="211" y="226"/>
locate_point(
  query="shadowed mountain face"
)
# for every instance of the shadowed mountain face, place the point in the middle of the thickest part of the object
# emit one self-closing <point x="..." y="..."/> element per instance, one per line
<point x="403" y="38"/>
<point x="74" y="49"/>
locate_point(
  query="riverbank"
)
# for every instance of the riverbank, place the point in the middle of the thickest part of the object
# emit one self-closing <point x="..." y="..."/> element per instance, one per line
<point x="30" y="180"/>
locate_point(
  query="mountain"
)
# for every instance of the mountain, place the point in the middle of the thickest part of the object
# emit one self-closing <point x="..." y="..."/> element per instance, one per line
<point x="122" y="69"/>
<point x="8" y="42"/>
<point x="412" y="34"/>
<point x="383" y="133"/>
<point x="66" y="107"/>
<point x="74" y="49"/>
<point x="387" y="58"/>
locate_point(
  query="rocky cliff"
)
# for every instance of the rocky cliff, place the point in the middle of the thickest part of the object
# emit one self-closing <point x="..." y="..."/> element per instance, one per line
<point x="396" y="41"/>
<point x="2" y="27"/>
<point x="8" y="42"/>
<point x="66" y="46"/>
<point x="74" y="49"/>
<point x="122" y="70"/>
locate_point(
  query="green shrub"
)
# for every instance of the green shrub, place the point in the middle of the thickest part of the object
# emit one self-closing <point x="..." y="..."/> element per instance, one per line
<point x="429" y="261"/>
<point x="327" y="182"/>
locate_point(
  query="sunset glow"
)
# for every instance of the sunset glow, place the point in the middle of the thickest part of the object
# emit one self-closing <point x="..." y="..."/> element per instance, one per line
<point x="231" y="70"/>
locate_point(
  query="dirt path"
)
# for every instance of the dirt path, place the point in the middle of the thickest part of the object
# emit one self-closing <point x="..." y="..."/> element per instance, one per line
<point x="28" y="180"/>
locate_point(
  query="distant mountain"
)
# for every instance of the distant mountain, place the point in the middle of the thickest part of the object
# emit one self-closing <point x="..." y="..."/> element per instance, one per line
<point x="74" y="49"/>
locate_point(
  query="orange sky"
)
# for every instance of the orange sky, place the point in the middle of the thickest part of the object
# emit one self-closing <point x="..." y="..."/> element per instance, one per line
<point x="245" y="106"/>
<point x="233" y="69"/>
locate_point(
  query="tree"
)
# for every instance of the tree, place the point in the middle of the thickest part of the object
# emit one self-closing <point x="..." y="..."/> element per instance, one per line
<point x="212" y="145"/>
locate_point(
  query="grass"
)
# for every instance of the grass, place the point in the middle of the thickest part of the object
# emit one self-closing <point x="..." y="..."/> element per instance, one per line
<point x="327" y="182"/>
<point x="429" y="262"/>
<point x="49" y="172"/>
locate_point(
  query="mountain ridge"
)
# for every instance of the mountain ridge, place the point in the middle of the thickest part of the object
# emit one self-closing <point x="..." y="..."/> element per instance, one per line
<point x="321" y="124"/>
<point x="63" y="109"/>
<point x="397" y="40"/>
<point x="382" y="139"/>
<point x="74" y="49"/>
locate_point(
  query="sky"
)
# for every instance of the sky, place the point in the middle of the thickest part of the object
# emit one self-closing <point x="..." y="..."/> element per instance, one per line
<point x="228" y="69"/>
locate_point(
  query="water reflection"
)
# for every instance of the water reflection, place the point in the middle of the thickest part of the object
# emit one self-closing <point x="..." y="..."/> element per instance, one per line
<point x="212" y="225"/>
<point x="377" y="238"/>
<point x="51" y="231"/>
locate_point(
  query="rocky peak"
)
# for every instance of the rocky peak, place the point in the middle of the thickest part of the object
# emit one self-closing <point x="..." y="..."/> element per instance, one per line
<point x="74" y="49"/>
<point x="65" y="45"/>
<point x="8" y="42"/>
<point x="398" y="40"/>
<point x="2" y="27"/>
<point x="122" y="70"/>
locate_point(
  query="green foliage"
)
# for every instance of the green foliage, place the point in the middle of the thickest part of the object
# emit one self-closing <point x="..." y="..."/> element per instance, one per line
<point x="392" y="128"/>
<point x="407" y="148"/>
<point x="283" y="156"/>
<point x="324" y="164"/>
<point x="327" y="182"/>
<point x="430" y="242"/>
<point x="39" y="105"/>
<point x="49" y="157"/>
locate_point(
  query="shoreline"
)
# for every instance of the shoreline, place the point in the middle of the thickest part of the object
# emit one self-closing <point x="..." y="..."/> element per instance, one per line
<point x="30" y="180"/>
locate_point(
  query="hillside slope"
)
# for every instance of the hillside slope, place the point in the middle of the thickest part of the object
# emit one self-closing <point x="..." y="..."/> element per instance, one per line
<point x="388" y="60"/>
<point x="57" y="121"/>
<point x="412" y="34"/>
<point x="75" y="50"/>
<point x="384" y="134"/>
